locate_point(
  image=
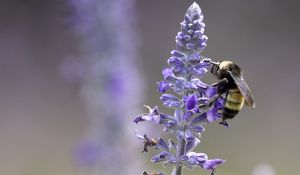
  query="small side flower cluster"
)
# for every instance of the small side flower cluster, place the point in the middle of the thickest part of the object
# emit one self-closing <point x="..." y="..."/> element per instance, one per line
<point x="190" y="99"/>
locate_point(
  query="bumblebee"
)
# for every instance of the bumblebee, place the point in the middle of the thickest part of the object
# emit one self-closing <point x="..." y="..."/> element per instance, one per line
<point x="232" y="84"/>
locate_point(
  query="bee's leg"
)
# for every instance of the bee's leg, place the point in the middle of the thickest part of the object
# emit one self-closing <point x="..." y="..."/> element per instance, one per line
<point x="220" y="85"/>
<point x="222" y="82"/>
<point x="224" y="123"/>
<point x="210" y="103"/>
<point x="213" y="100"/>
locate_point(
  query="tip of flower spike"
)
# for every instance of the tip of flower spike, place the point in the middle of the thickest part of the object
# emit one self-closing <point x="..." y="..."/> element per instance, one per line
<point x="194" y="11"/>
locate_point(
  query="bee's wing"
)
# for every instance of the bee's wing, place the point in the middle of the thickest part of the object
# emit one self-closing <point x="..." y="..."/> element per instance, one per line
<point x="244" y="89"/>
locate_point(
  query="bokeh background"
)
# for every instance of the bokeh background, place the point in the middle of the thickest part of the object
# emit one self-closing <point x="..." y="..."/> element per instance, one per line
<point x="42" y="117"/>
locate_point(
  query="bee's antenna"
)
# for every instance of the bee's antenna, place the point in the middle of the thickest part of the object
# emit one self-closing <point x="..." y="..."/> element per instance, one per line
<point x="206" y="59"/>
<point x="215" y="63"/>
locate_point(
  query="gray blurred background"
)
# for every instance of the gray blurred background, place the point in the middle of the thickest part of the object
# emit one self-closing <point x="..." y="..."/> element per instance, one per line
<point x="42" y="117"/>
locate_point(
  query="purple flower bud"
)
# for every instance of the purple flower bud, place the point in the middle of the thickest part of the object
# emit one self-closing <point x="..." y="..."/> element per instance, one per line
<point x="168" y="97"/>
<point x="212" y="115"/>
<point x="194" y="59"/>
<point x="183" y="25"/>
<point x="172" y="145"/>
<point x="191" y="32"/>
<point x="167" y="72"/>
<point x="162" y="86"/>
<point x="196" y="24"/>
<point x="191" y="144"/>
<point x="199" y="72"/>
<point x="184" y="158"/>
<point x="211" y="92"/>
<point x="198" y="33"/>
<point x="177" y="53"/>
<point x="196" y="129"/>
<point x="156" y="159"/>
<point x="197" y="157"/>
<point x="161" y="144"/>
<point x="187" y="116"/>
<point x="178" y="115"/>
<point x="199" y="84"/>
<point x="194" y="11"/>
<point x="187" y="37"/>
<point x="212" y="164"/>
<point x="171" y="104"/>
<point x="204" y="63"/>
<point x="190" y="46"/>
<point x="152" y="116"/>
<point x="187" y="19"/>
<point x="204" y="38"/>
<point x="199" y="119"/>
<point x="191" y="102"/>
<point x="174" y="61"/>
<point x="165" y="118"/>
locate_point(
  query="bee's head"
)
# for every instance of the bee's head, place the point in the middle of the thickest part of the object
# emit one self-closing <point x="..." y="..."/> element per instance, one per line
<point x="215" y="67"/>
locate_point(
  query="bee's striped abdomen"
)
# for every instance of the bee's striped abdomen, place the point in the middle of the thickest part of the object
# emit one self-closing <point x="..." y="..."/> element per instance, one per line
<point x="234" y="103"/>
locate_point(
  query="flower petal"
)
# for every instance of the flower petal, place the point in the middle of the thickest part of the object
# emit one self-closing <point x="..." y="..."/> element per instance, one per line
<point x="147" y="117"/>
<point x="177" y="53"/>
<point x="199" y="84"/>
<point x="172" y="104"/>
<point x="163" y="86"/>
<point x="187" y="116"/>
<point x="170" y="100"/>
<point x="199" y="119"/>
<point x="212" y="164"/>
<point x="175" y="62"/>
<point x="211" y="92"/>
<point x="167" y="72"/>
<point x="196" y="129"/>
<point x="178" y="115"/>
<point x="164" y="118"/>
<point x="161" y="144"/>
<point x="198" y="157"/>
<point x="212" y="115"/>
<point x="172" y="145"/>
<point x="191" y="102"/>
<point x="191" y="144"/>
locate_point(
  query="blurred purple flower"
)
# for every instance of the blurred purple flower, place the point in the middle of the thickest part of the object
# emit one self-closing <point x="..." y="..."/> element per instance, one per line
<point x="87" y="153"/>
<point x="72" y="70"/>
<point x="106" y="72"/>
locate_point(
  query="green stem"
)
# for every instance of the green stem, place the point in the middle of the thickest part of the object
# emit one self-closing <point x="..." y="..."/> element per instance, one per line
<point x="181" y="152"/>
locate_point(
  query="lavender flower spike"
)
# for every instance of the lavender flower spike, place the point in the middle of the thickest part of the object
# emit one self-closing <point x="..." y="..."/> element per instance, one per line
<point x="105" y="72"/>
<point x="188" y="96"/>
